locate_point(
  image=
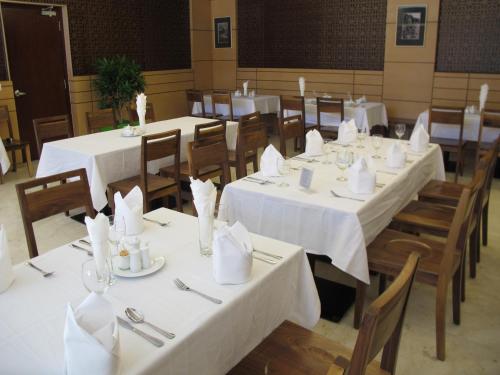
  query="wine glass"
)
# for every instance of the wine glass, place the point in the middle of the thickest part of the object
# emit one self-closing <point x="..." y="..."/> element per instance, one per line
<point x="361" y="138"/>
<point x="376" y="143"/>
<point x="117" y="230"/>
<point x="400" y="130"/>
<point x="343" y="160"/>
<point x="95" y="281"/>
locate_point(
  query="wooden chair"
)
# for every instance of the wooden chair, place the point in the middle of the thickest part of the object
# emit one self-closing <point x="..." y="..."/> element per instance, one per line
<point x="154" y="147"/>
<point x="441" y="263"/>
<point x="452" y="116"/>
<point x="150" y="113"/>
<point x="103" y="118"/>
<point x="291" y="349"/>
<point x="296" y="104"/>
<point x="490" y="119"/>
<point x="223" y="97"/>
<point x="291" y="128"/>
<point x="196" y="97"/>
<point x="51" y="128"/>
<point x="41" y="203"/>
<point x="252" y="135"/>
<point x="13" y="145"/>
<point x="332" y="107"/>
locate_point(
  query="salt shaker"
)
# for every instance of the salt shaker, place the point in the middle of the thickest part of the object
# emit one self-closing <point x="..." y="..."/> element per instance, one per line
<point x="146" y="260"/>
<point x="135" y="261"/>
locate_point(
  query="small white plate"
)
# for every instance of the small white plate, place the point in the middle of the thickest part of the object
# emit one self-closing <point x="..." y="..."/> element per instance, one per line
<point x="157" y="264"/>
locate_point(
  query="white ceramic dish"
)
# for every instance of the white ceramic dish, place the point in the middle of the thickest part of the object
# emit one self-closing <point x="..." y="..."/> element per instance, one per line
<point x="156" y="265"/>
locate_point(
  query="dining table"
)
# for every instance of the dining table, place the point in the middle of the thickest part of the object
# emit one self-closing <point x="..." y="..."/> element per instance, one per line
<point x="110" y="156"/>
<point x="327" y="218"/>
<point x="4" y="158"/>
<point x="242" y="105"/>
<point x="209" y="338"/>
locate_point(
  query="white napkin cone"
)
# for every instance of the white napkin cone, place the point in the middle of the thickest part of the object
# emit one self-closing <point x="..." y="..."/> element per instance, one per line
<point x="396" y="156"/>
<point x="302" y="86"/>
<point x="314" y="143"/>
<point x="130" y="209"/>
<point x="270" y="162"/>
<point x="98" y="229"/>
<point x="360" y="100"/>
<point x="348" y="132"/>
<point x="245" y="88"/>
<point x="483" y="96"/>
<point x="91" y="340"/>
<point x="419" y="138"/>
<point x="204" y="196"/>
<point x="4" y="158"/>
<point x="6" y="273"/>
<point x="232" y="255"/>
<point x="140" y="103"/>
<point x="361" y="179"/>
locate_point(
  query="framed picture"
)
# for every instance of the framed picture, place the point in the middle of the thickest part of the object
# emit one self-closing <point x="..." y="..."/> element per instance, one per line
<point x="222" y="32"/>
<point x="411" y="25"/>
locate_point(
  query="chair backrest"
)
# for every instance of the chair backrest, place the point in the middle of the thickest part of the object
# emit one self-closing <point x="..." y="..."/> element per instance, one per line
<point x="209" y="133"/>
<point x="382" y="323"/>
<point x="5" y="119"/>
<point x="195" y="97"/>
<point x="252" y="133"/>
<point x="290" y="128"/>
<point x="51" y="128"/>
<point x="292" y="103"/>
<point x="37" y="201"/>
<point x="159" y="146"/>
<point x="101" y="119"/>
<point x="490" y="118"/>
<point x="448" y="116"/>
<point x="329" y="105"/>
<point x="222" y="97"/>
<point x="150" y="113"/>
<point x="490" y="159"/>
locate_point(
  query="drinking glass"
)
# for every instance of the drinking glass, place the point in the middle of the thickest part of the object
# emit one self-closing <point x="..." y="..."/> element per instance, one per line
<point x="400" y="130"/>
<point x="284" y="169"/>
<point x="206" y="231"/>
<point x="361" y="138"/>
<point x="343" y="161"/>
<point x="95" y="281"/>
<point x="376" y="143"/>
<point x="117" y="230"/>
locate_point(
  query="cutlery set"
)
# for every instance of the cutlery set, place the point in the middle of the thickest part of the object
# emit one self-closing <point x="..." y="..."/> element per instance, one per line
<point x="258" y="180"/>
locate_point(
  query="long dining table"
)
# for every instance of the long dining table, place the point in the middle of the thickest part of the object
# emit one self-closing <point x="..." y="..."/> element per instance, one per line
<point x="210" y="338"/>
<point x="337" y="226"/>
<point x="4" y="158"/>
<point x="109" y="156"/>
<point x="243" y="105"/>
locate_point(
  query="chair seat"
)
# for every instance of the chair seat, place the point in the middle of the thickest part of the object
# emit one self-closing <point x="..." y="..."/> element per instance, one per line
<point x="185" y="172"/>
<point x="390" y="250"/>
<point x="448" y="142"/>
<point x="425" y="217"/>
<point x="292" y="350"/>
<point x="442" y="192"/>
<point x="155" y="183"/>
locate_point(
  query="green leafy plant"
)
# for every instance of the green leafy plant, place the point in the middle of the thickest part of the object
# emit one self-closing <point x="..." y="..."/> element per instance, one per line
<point x="118" y="80"/>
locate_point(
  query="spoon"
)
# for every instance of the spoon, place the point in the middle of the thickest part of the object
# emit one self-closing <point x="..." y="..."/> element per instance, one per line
<point x="137" y="317"/>
<point x="158" y="222"/>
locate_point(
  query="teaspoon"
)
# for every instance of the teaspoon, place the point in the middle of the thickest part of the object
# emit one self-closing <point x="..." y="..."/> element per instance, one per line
<point x="137" y="317"/>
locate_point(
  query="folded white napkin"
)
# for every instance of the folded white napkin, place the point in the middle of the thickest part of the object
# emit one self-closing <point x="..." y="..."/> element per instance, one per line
<point x="470" y="110"/>
<point x="419" y="138"/>
<point x="483" y="96"/>
<point x="130" y="209"/>
<point x="396" y="156"/>
<point x="91" y="340"/>
<point x="98" y="230"/>
<point x="314" y="143"/>
<point x="270" y="162"/>
<point x="302" y="86"/>
<point x="4" y="158"/>
<point x="140" y="103"/>
<point x="361" y="100"/>
<point x="204" y="196"/>
<point x="348" y="132"/>
<point x="237" y="93"/>
<point x="6" y="273"/>
<point x="361" y="178"/>
<point x="232" y="255"/>
<point x="245" y="88"/>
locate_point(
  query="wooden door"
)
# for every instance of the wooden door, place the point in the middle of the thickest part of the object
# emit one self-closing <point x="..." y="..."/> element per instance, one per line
<point x="37" y="65"/>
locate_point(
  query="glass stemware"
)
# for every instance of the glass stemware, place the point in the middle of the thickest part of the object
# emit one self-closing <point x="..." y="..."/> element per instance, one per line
<point x="400" y="130"/>
<point x="361" y="138"/>
<point x="117" y="231"/>
<point x="343" y="160"/>
<point x="95" y="281"/>
<point x="376" y="143"/>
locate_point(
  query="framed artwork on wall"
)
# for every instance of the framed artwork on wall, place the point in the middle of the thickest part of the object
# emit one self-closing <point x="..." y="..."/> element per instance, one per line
<point x="222" y="27"/>
<point x="410" y="30"/>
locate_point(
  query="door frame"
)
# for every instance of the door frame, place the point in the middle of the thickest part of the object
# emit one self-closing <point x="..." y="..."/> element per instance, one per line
<point x="68" y="74"/>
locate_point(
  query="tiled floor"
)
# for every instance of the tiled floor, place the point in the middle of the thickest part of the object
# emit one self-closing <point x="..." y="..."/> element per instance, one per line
<point x="472" y="348"/>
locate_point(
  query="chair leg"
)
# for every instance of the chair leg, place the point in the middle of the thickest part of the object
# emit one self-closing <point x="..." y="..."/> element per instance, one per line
<point x="111" y="201"/>
<point x="441" y="327"/>
<point x="485" y="224"/>
<point x="473" y="253"/>
<point x="359" y="304"/>
<point x="14" y="161"/>
<point x="462" y="271"/>
<point x="382" y="281"/>
<point x="28" y="160"/>
<point x="255" y="164"/>
<point x="178" y="199"/>
<point x="456" y="297"/>
<point x="478" y="240"/>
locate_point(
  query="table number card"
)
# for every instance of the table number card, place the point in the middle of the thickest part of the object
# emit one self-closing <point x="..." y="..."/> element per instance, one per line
<point x="306" y="176"/>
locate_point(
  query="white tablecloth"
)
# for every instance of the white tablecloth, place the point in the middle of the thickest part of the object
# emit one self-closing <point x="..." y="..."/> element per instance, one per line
<point x="4" y="158"/>
<point x="109" y="157"/>
<point x="471" y="128"/>
<point x="322" y="224"/>
<point x="211" y="338"/>
<point x="365" y="115"/>
<point x="243" y="105"/>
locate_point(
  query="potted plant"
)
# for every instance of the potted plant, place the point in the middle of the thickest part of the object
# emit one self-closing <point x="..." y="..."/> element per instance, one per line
<point x="119" y="79"/>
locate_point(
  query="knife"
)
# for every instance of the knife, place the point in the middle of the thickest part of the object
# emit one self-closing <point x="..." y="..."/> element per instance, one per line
<point x="153" y="340"/>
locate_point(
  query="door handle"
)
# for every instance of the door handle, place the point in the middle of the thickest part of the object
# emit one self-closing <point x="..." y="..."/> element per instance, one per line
<point x="18" y="93"/>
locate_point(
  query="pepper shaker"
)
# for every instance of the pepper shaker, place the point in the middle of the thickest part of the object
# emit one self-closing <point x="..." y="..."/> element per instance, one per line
<point x="146" y="260"/>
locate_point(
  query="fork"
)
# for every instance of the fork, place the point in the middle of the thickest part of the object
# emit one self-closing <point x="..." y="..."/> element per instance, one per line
<point x="158" y="222"/>
<point x="89" y="252"/>
<point x="259" y="180"/>
<point x="306" y="159"/>
<point x="44" y="273"/>
<point x="184" y="287"/>
<point x="254" y="181"/>
<point x="345" y="197"/>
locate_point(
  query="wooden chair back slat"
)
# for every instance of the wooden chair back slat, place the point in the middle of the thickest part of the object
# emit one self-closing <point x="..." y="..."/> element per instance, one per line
<point x="382" y="323"/>
<point x="72" y="191"/>
<point x="150" y="113"/>
<point x="100" y="119"/>
<point x="252" y="133"/>
<point x="490" y="118"/>
<point x="292" y="103"/>
<point x="193" y="97"/>
<point x="448" y="116"/>
<point x="51" y="128"/>
<point x="291" y="127"/>
<point x="222" y="98"/>
<point x="209" y="133"/>
<point x="5" y="119"/>
<point x="330" y="105"/>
